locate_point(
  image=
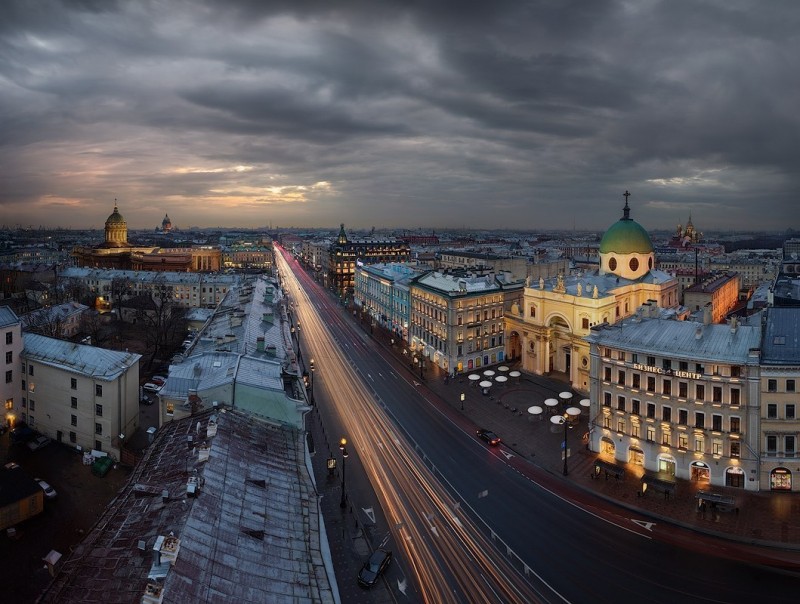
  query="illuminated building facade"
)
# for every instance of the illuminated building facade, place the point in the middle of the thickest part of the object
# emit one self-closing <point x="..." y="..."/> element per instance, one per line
<point x="547" y="330"/>
<point x="115" y="252"/>
<point x="11" y="349"/>
<point x="457" y="322"/>
<point x="344" y="253"/>
<point x="780" y="377"/>
<point x="677" y="398"/>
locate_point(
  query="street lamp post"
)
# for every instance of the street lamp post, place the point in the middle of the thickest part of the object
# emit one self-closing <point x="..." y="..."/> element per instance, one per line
<point x="462" y="401"/>
<point x="343" y="448"/>
<point x="566" y="420"/>
<point x="312" y="367"/>
<point x="311" y="389"/>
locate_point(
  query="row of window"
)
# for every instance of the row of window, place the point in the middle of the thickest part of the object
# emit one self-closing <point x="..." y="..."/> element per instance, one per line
<point x="73" y="436"/>
<point x="682" y="440"/>
<point x="30" y="404"/>
<point x="789" y="411"/>
<point x="700" y="391"/>
<point x="31" y="420"/>
<point x="789" y="445"/>
<point x="699" y="417"/>
<point x="668" y="365"/>
<point x="788" y="386"/>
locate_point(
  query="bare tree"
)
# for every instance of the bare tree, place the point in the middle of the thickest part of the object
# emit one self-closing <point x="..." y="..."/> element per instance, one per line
<point x="121" y="290"/>
<point x="163" y="321"/>
<point x="46" y="321"/>
<point x="93" y="325"/>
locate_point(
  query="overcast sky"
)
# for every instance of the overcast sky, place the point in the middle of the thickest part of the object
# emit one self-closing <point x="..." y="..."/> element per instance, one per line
<point x="420" y="114"/>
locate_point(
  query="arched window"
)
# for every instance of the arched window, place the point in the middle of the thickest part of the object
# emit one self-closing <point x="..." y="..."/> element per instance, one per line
<point x="612" y="264"/>
<point x="634" y="264"/>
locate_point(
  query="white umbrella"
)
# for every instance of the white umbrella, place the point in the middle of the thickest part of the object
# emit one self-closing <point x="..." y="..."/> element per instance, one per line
<point x="501" y="379"/>
<point x="585" y="402"/>
<point x="535" y="410"/>
<point x="474" y="377"/>
<point x="488" y="373"/>
<point x="551" y="402"/>
<point x="485" y="384"/>
<point x="565" y="395"/>
<point x="573" y="412"/>
<point x="502" y="368"/>
<point x="514" y="374"/>
<point x="557" y="419"/>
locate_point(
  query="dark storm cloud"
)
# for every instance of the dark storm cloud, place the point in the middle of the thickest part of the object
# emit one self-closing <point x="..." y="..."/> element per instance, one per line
<point x="449" y="113"/>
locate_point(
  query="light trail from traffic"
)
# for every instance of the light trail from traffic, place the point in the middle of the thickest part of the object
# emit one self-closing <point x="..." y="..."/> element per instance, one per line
<point x="450" y="557"/>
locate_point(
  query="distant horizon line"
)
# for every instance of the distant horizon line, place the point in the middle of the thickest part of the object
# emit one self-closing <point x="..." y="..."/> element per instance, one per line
<point x="418" y="230"/>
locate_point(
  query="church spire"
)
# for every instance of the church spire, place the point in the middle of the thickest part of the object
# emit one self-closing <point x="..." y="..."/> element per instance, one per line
<point x="626" y="211"/>
<point x="342" y="239"/>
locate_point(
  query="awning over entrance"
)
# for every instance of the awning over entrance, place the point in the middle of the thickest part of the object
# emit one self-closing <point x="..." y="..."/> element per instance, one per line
<point x="611" y="469"/>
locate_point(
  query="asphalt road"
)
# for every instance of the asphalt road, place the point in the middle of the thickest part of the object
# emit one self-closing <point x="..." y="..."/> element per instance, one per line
<point x="573" y="550"/>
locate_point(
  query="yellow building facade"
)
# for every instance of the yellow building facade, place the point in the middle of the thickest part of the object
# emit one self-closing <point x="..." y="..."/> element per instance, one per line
<point x="546" y="333"/>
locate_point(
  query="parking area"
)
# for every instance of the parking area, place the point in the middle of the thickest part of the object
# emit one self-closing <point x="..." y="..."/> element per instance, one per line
<point x="81" y="498"/>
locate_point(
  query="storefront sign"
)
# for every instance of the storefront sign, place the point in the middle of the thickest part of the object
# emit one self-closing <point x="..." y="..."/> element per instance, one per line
<point x="676" y="373"/>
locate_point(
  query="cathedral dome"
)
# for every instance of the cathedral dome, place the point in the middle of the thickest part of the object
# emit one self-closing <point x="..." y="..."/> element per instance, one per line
<point x="626" y="236"/>
<point x="626" y="250"/>
<point x="116" y="230"/>
<point x="115" y="217"/>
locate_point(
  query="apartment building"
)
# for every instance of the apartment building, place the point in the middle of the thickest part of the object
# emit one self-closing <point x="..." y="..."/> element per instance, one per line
<point x="456" y="322"/>
<point x="83" y="396"/>
<point x="780" y="402"/>
<point x="11" y="343"/>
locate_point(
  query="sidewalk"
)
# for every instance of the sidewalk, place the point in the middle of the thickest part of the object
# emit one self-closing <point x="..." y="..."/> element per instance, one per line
<point x="763" y="519"/>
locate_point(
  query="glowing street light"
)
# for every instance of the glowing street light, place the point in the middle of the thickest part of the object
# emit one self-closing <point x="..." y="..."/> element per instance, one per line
<point x="343" y="448"/>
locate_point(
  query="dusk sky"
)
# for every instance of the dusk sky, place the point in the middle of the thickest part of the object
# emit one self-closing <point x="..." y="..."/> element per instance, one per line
<point x="419" y="114"/>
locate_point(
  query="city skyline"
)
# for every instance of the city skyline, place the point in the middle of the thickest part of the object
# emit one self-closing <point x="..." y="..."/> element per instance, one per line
<point x="445" y="115"/>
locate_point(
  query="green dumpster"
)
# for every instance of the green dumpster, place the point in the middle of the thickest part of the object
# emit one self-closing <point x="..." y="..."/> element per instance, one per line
<point x="102" y="466"/>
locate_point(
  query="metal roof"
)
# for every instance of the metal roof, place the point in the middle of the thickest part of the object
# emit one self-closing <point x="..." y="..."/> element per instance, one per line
<point x="251" y="533"/>
<point x="7" y="317"/>
<point x="781" y="345"/>
<point x="680" y="339"/>
<point x="98" y="363"/>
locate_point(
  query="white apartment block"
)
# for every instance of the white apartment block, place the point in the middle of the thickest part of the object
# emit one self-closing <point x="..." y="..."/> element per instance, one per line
<point x="188" y="290"/>
<point x="82" y="396"/>
<point x="11" y="342"/>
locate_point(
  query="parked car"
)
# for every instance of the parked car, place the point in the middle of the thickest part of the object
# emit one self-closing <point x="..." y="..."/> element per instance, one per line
<point x="12" y="465"/>
<point x="49" y="491"/>
<point x="146" y="401"/>
<point x="38" y="443"/>
<point x="374" y="567"/>
<point x="489" y="436"/>
<point x="22" y="434"/>
<point x="151" y="387"/>
<point x="158" y="380"/>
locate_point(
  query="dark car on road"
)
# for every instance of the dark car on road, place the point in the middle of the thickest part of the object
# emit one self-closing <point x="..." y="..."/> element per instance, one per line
<point x="489" y="436"/>
<point x="374" y="567"/>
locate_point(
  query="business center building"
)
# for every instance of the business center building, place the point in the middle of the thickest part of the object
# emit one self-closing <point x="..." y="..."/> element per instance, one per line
<point x="678" y="398"/>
